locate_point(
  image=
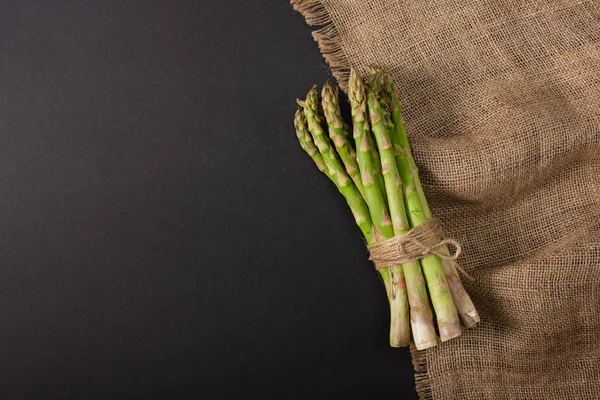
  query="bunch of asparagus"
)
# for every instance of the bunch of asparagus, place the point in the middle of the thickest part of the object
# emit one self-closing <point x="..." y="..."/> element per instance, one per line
<point x="380" y="182"/>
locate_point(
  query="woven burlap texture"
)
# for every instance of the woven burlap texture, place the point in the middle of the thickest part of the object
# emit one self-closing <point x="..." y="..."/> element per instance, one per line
<point x="502" y="103"/>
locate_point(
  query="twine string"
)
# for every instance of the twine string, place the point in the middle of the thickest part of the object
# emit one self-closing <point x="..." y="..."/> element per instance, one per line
<point x="420" y="241"/>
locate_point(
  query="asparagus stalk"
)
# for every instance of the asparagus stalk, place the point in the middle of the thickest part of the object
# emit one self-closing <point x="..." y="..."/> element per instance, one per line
<point x="421" y="317"/>
<point x="464" y="304"/>
<point x="338" y="133"/>
<point x="396" y="286"/>
<point x="338" y="177"/>
<point x="433" y="269"/>
<point x="313" y="115"/>
<point x="358" y="206"/>
<point x="386" y="197"/>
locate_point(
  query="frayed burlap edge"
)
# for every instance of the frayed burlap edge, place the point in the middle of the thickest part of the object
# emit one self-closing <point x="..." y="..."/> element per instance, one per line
<point x="316" y="14"/>
<point x="422" y="381"/>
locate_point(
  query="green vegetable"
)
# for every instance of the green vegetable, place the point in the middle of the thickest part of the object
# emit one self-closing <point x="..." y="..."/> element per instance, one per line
<point x="380" y="182"/>
<point x="464" y="304"/>
<point x="338" y="176"/>
<point x="421" y="317"/>
<point x="339" y="134"/>
<point x="396" y="286"/>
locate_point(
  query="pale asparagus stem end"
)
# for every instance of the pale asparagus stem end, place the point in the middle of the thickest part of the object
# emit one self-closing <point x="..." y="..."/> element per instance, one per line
<point x="448" y="332"/>
<point x="466" y="310"/>
<point x="399" y="329"/>
<point x="464" y="305"/>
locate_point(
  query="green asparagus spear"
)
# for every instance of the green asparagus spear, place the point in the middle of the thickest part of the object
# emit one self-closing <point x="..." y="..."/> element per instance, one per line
<point x="396" y="286"/>
<point x="361" y="214"/>
<point x="338" y="177"/>
<point x="464" y="304"/>
<point x="421" y="317"/>
<point x="433" y="269"/>
<point x="338" y="133"/>
<point x="312" y="113"/>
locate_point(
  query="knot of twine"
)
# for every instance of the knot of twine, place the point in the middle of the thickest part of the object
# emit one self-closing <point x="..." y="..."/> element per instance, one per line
<point x="413" y="245"/>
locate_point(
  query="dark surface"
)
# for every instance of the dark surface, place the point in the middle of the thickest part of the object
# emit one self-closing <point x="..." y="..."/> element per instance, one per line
<point x="162" y="233"/>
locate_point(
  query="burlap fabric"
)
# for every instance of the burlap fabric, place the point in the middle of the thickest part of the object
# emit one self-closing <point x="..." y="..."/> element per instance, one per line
<point x="502" y="102"/>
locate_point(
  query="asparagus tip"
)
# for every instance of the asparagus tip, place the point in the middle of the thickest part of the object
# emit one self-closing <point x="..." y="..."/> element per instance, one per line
<point x="356" y="87"/>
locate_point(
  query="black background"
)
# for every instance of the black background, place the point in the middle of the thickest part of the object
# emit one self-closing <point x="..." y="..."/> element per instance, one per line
<point x="162" y="234"/>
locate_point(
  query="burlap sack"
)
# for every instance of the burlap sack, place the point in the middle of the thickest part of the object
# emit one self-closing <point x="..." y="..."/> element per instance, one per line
<point x="502" y="102"/>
